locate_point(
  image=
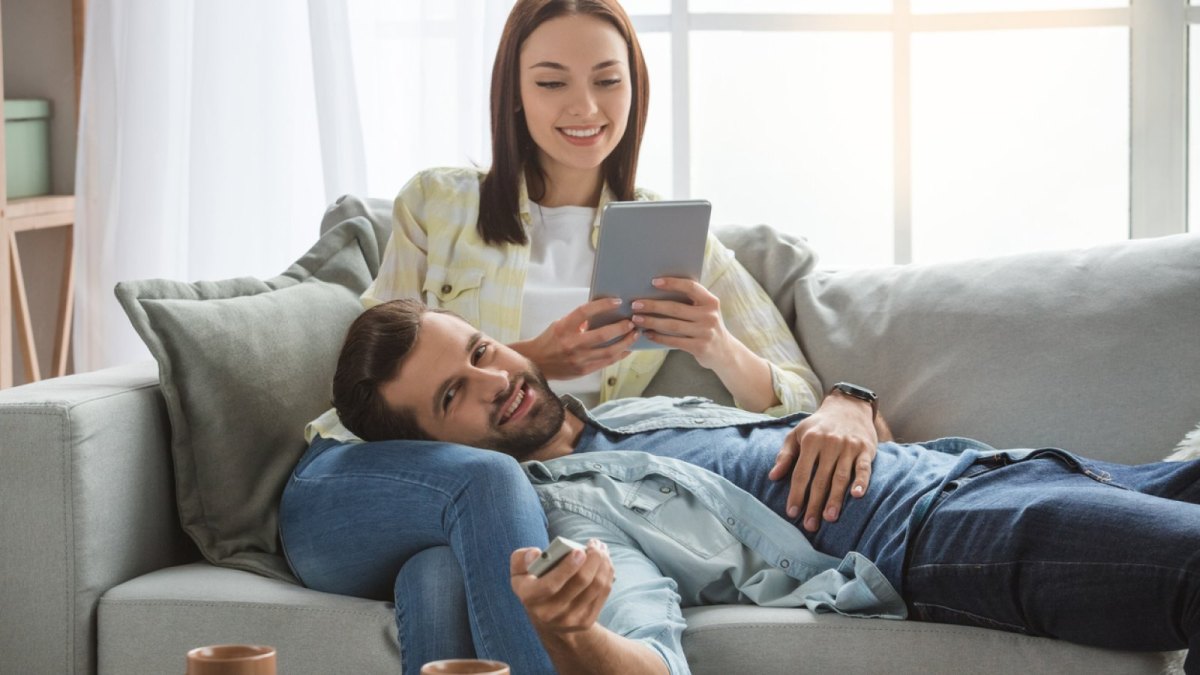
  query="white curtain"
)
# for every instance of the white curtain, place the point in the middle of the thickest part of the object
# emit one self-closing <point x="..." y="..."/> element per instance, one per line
<point x="213" y="133"/>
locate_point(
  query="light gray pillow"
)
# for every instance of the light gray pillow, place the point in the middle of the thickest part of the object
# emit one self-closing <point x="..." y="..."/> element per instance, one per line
<point x="1096" y="350"/>
<point x="374" y="211"/>
<point x="243" y="365"/>
<point x="777" y="261"/>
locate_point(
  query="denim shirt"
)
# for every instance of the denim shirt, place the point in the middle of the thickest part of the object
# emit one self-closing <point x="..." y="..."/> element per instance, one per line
<point x="681" y="536"/>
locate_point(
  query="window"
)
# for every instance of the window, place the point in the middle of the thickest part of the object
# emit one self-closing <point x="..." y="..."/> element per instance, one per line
<point x="884" y="131"/>
<point x="923" y="130"/>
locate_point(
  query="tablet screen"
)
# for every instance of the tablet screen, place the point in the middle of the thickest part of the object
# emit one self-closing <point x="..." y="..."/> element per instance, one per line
<point x="640" y="241"/>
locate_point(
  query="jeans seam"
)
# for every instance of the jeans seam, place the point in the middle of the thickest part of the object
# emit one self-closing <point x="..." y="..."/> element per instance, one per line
<point x="479" y="628"/>
<point x="400" y="623"/>
<point x="1074" y="563"/>
<point x="979" y="619"/>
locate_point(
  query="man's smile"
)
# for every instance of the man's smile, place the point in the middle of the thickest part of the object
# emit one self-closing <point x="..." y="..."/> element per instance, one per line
<point x="517" y="404"/>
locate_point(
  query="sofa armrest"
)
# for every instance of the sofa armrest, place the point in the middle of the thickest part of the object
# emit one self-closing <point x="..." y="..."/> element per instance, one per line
<point x="86" y="503"/>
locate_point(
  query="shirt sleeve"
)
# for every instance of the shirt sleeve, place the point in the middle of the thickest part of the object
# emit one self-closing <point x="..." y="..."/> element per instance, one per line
<point x="752" y="318"/>
<point x="405" y="260"/>
<point x="643" y="605"/>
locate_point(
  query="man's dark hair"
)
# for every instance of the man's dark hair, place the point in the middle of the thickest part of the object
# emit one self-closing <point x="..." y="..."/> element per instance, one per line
<point x="376" y="345"/>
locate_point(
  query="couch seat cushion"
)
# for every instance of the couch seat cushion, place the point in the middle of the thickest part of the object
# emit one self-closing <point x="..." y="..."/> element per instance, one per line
<point x="148" y="624"/>
<point x="768" y="641"/>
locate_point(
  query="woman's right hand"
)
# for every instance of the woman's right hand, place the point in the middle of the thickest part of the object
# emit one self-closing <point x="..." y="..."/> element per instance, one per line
<point x="567" y="349"/>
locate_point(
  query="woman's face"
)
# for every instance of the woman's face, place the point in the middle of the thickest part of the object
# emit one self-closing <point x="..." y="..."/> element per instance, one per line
<point x="575" y="91"/>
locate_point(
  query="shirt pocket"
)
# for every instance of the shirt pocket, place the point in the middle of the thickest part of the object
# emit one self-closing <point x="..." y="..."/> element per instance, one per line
<point x="457" y="290"/>
<point x="677" y="515"/>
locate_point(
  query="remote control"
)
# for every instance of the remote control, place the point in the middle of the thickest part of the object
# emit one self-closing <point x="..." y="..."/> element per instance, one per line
<point x="554" y="553"/>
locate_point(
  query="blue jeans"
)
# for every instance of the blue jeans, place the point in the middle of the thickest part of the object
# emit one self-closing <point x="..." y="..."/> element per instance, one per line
<point x="1096" y="553"/>
<point x="354" y="514"/>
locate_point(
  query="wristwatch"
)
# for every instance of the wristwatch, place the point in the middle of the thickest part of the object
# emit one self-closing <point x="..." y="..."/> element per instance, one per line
<point x="860" y="393"/>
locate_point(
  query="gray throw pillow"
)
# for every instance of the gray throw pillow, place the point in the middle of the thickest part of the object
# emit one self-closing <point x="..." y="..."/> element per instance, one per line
<point x="243" y="365"/>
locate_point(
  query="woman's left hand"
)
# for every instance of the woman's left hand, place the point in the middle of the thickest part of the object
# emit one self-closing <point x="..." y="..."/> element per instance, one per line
<point x="697" y="329"/>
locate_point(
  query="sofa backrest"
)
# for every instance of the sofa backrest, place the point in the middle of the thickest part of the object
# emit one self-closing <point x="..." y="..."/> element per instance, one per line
<point x="1096" y="350"/>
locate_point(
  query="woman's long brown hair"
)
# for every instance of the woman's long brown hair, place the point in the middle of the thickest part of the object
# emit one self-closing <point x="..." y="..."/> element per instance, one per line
<point x="513" y="149"/>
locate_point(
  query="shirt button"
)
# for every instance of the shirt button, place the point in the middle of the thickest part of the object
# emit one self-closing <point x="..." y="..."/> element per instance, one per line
<point x="731" y="521"/>
<point x="446" y="288"/>
<point x="612" y="381"/>
<point x="665" y="490"/>
<point x="597" y="467"/>
<point x="785" y="563"/>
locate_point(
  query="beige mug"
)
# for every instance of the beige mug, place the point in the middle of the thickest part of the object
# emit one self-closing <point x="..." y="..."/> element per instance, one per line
<point x="231" y="660"/>
<point x="465" y="667"/>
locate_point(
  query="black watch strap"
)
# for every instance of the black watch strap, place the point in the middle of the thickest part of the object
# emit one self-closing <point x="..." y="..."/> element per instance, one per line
<point x="860" y="393"/>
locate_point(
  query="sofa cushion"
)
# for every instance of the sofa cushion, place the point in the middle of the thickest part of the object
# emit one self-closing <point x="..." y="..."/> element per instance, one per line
<point x="149" y="623"/>
<point x="171" y="610"/>
<point x="767" y="641"/>
<point x="1075" y="348"/>
<point x="244" y="364"/>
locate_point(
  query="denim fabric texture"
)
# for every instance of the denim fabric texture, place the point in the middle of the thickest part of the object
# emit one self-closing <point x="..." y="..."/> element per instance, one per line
<point x="1116" y="565"/>
<point x="354" y="514"/>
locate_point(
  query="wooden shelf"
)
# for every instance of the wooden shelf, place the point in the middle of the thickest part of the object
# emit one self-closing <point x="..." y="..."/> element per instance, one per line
<point x="23" y="215"/>
<point x="35" y="213"/>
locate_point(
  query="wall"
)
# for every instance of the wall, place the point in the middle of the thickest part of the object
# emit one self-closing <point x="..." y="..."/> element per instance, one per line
<point x="39" y="63"/>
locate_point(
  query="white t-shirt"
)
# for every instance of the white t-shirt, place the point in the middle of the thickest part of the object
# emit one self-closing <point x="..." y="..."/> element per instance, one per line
<point x="561" y="258"/>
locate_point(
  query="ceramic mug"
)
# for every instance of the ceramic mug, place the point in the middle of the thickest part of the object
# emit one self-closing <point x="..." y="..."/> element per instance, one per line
<point x="231" y="660"/>
<point x="465" y="667"/>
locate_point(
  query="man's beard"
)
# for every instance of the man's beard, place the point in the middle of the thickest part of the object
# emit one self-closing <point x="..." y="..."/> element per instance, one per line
<point x="540" y="425"/>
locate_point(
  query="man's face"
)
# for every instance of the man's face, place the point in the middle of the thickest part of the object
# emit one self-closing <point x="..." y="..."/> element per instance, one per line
<point x="463" y="387"/>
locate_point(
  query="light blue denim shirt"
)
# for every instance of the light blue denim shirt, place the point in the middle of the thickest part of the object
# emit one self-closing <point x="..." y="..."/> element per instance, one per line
<point x="681" y="536"/>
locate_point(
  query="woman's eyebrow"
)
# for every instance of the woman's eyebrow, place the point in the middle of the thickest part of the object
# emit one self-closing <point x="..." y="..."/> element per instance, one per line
<point x="558" y="66"/>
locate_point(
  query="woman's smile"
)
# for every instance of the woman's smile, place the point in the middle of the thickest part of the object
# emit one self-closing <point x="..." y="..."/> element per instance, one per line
<point x="583" y="135"/>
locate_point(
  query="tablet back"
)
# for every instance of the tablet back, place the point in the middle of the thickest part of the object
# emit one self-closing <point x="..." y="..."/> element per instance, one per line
<point x="643" y="240"/>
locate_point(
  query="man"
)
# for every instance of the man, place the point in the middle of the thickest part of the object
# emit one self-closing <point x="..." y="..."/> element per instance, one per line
<point x="681" y="502"/>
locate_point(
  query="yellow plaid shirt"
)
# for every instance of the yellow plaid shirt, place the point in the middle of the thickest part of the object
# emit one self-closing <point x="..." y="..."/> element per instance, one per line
<point x="435" y="254"/>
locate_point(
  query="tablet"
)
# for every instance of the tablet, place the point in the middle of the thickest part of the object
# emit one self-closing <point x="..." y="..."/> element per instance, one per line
<point x="640" y="241"/>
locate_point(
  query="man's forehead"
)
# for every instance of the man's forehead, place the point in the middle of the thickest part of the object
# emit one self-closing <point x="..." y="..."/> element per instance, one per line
<point x="440" y="344"/>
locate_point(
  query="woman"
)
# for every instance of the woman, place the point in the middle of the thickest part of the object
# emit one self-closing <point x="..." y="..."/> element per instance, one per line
<point x="510" y="250"/>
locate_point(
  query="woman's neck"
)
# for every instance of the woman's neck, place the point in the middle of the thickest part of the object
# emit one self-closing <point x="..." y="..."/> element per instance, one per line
<point x="564" y="186"/>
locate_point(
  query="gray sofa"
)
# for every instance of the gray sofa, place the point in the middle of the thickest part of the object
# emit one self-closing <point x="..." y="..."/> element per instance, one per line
<point x="1094" y="350"/>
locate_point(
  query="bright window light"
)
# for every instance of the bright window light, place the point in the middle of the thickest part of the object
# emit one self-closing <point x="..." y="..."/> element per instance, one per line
<point x="795" y="130"/>
<point x="655" y="166"/>
<point x="634" y="7"/>
<point x="791" y="6"/>
<point x="1020" y="141"/>
<point x="961" y="6"/>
